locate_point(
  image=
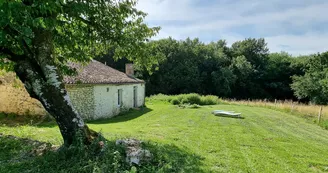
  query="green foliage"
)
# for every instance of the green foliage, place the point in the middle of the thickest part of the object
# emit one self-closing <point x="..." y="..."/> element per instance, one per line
<point x="159" y="97"/>
<point x="244" y="70"/>
<point x="194" y="106"/>
<point x="210" y="100"/>
<point x="314" y="83"/>
<point x="16" y="157"/>
<point x="79" y="30"/>
<point x="189" y="99"/>
<point x="175" y="101"/>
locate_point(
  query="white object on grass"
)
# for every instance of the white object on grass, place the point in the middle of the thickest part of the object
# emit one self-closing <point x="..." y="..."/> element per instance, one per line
<point x="226" y="113"/>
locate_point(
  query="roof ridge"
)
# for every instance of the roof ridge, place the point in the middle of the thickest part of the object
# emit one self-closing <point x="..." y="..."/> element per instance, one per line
<point x="96" y="72"/>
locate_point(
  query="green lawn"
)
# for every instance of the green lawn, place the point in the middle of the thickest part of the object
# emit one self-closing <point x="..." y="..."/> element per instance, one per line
<point x="197" y="141"/>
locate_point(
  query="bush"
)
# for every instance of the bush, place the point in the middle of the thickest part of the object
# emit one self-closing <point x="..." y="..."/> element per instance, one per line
<point x="186" y="99"/>
<point x="180" y="97"/>
<point x="159" y="97"/>
<point x="193" y="98"/>
<point x="175" y="101"/>
<point x="209" y="100"/>
<point x="194" y="106"/>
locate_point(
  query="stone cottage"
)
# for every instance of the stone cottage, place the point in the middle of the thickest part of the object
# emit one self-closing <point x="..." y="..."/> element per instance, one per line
<point x="99" y="91"/>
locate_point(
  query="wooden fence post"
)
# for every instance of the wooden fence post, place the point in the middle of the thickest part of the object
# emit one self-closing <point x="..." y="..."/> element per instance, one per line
<point x="292" y="107"/>
<point x="319" y="115"/>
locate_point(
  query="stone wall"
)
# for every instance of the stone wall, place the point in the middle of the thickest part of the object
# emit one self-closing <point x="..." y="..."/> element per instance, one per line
<point x="82" y="99"/>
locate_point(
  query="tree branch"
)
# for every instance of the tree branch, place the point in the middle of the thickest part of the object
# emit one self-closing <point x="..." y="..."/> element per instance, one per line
<point x="26" y="48"/>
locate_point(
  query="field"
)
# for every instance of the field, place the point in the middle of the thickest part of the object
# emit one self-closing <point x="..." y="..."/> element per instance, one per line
<point x="194" y="140"/>
<point x="308" y="111"/>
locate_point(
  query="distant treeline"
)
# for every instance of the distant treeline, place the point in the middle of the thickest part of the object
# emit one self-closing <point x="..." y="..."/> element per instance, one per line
<point x="245" y="70"/>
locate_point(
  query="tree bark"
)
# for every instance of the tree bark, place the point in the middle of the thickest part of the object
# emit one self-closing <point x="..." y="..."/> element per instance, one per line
<point x="43" y="81"/>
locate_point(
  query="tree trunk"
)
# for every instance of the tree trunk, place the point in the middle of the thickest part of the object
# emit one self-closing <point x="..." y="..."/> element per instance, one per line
<point x="43" y="82"/>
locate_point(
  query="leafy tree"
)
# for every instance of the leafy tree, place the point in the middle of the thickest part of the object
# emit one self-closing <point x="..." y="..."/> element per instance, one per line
<point x="314" y="83"/>
<point x="243" y="70"/>
<point x="278" y="74"/>
<point x="223" y="82"/>
<point x="39" y="37"/>
<point x="256" y="53"/>
<point x="254" y="50"/>
<point x="178" y="72"/>
<point x="216" y="78"/>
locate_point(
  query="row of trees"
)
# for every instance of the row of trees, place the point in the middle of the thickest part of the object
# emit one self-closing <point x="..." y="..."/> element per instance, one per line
<point x="246" y="69"/>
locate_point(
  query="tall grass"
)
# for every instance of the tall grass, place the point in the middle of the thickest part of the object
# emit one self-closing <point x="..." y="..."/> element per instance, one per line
<point x="309" y="111"/>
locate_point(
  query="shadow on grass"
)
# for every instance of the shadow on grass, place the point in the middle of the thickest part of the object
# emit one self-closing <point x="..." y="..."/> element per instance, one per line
<point x="15" y="157"/>
<point x="13" y="121"/>
<point x="130" y="115"/>
<point x="228" y="116"/>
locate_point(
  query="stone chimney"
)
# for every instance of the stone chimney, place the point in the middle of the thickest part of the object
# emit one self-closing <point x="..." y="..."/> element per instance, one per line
<point x="129" y="69"/>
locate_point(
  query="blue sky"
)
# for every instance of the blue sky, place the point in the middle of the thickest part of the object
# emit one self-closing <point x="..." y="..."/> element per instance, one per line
<point x="295" y="26"/>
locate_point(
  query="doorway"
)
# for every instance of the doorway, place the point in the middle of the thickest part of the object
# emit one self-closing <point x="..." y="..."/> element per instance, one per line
<point x="135" y="98"/>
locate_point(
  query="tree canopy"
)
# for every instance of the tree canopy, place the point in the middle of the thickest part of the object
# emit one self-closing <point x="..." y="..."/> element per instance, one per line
<point x="314" y="83"/>
<point x="244" y="70"/>
<point x="79" y="29"/>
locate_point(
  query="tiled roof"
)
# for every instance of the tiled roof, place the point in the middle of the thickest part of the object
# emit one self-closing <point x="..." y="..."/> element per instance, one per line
<point x="97" y="73"/>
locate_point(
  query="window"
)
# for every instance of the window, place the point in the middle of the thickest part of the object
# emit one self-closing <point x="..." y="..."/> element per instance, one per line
<point x="119" y="98"/>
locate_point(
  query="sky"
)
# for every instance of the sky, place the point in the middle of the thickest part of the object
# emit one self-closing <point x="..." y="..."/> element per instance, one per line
<point x="298" y="27"/>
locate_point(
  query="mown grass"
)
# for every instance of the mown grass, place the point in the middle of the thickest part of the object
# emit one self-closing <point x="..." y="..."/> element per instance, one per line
<point x="194" y="140"/>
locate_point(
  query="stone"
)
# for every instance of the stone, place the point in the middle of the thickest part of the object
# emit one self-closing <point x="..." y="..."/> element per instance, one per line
<point x="134" y="153"/>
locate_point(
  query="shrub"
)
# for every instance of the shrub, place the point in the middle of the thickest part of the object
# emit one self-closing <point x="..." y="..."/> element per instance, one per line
<point x="175" y="101"/>
<point x="193" y="98"/>
<point x="180" y="97"/>
<point x="159" y="97"/>
<point x="194" y="106"/>
<point x="186" y="99"/>
<point x="209" y="100"/>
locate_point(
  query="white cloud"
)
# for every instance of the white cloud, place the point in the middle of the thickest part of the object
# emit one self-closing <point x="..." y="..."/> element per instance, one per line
<point x="281" y="22"/>
<point x="299" y="45"/>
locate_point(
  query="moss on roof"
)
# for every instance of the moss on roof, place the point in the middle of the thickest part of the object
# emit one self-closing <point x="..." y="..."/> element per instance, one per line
<point x="98" y="73"/>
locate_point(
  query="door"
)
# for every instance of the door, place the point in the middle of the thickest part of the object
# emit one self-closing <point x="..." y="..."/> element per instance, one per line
<point x="135" y="98"/>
